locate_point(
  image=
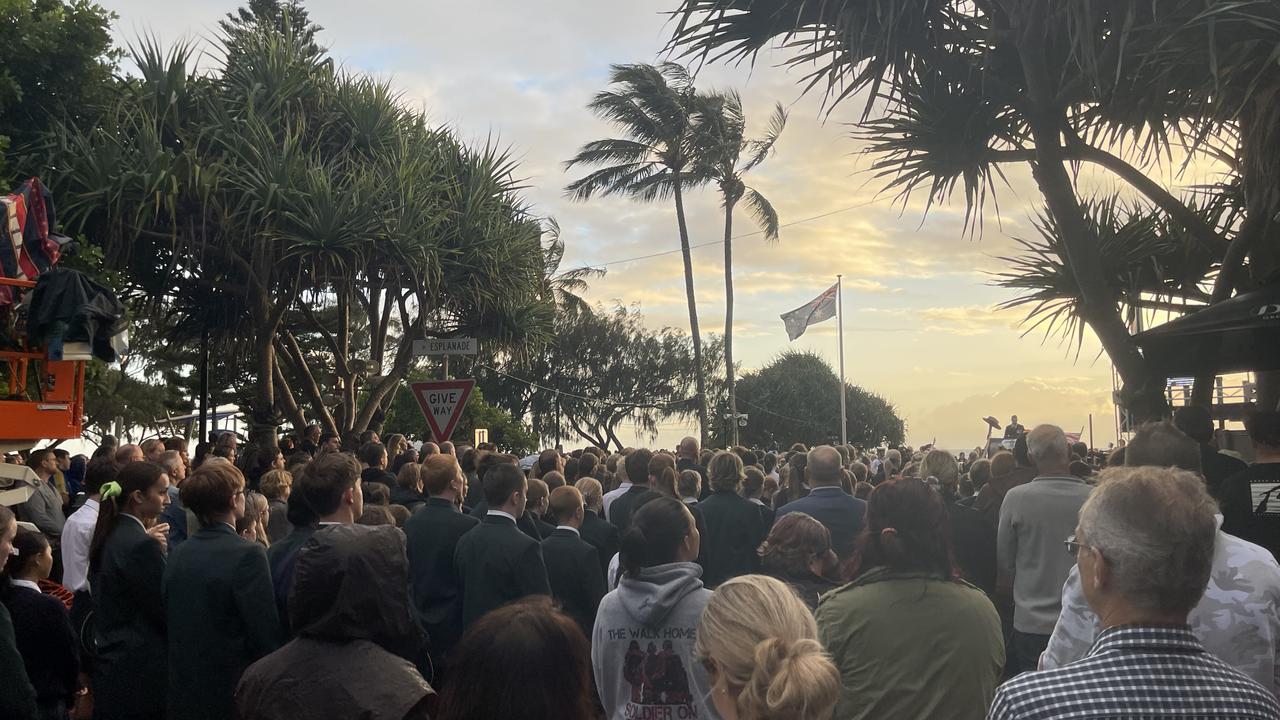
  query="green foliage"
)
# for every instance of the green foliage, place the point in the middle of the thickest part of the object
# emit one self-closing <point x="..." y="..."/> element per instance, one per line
<point x="56" y="61"/>
<point x="304" y="218"/>
<point x="790" y="400"/>
<point x="508" y="433"/>
<point x="603" y="368"/>
<point x="282" y="17"/>
<point x="1151" y="264"/>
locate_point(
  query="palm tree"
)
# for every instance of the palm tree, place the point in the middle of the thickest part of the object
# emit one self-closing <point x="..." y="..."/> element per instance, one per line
<point x="723" y="130"/>
<point x="333" y="224"/>
<point x="952" y="92"/>
<point x="655" y="106"/>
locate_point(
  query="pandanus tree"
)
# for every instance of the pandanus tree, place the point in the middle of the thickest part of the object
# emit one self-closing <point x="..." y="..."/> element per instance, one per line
<point x="725" y="155"/>
<point x="326" y="219"/>
<point x="953" y="91"/>
<point x="655" y="107"/>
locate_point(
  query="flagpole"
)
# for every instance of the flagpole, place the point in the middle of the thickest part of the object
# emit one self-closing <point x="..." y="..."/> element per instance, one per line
<point x="844" y="436"/>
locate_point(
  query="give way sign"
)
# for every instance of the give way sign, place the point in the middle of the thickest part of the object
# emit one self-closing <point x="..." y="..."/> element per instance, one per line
<point x="442" y="402"/>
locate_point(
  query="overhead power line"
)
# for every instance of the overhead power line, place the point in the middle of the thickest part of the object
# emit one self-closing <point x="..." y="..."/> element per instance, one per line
<point x="597" y="401"/>
<point x="709" y="243"/>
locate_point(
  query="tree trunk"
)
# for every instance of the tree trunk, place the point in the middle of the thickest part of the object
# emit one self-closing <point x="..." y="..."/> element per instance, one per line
<point x="262" y="424"/>
<point x="379" y="391"/>
<point x="728" y="321"/>
<point x="347" y="409"/>
<point x="699" y="376"/>
<point x="1097" y="308"/>
<point x="285" y="400"/>
<point x="307" y="382"/>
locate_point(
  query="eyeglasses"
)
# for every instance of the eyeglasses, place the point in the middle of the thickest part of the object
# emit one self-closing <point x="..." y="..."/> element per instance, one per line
<point x="1073" y="545"/>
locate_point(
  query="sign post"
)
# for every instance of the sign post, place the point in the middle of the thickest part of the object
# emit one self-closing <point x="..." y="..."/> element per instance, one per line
<point x="442" y="403"/>
<point x="445" y="347"/>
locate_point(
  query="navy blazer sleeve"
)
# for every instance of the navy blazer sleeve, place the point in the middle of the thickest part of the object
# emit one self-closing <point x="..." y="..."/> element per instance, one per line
<point x="17" y="697"/>
<point x="533" y="572"/>
<point x="255" y="599"/>
<point x="144" y="573"/>
<point x="593" y="586"/>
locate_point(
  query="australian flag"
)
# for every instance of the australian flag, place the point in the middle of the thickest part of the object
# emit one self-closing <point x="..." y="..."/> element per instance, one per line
<point x="813" y="312"/>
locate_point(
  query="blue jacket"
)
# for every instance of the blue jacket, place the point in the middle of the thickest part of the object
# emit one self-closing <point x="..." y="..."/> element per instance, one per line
<point x="843" y="515"/>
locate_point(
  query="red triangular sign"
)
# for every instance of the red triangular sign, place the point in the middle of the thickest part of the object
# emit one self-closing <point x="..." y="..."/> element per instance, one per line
<point x="442" y="402"/>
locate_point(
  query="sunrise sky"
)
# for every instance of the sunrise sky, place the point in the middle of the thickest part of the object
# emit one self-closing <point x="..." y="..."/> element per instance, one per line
<point x="920" y="324"/>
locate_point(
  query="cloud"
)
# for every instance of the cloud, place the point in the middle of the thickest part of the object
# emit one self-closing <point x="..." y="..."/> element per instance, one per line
<point x="958" y="320"/>
<point x="522" y="74"/>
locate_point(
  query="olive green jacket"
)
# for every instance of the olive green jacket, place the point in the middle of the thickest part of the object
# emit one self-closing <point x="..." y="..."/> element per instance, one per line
<point x="912" y="645"/>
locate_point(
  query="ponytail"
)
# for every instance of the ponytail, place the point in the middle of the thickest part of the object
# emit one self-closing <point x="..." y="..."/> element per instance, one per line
<point x="114" y="498"/>
<point x="659" y="525"/>
<point x="27" y="544"/>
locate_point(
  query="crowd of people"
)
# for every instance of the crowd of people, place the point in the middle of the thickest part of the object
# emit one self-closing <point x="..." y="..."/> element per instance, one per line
<point x="386" y="579"/>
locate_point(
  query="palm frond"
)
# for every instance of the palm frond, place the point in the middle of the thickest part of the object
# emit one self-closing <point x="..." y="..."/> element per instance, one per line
<point x="1149" y="260"/>
<point x="614" y="180"/>
<point x="763" y="213"/>
<point x="612" y="150"/>
<point x="941" y="133"/>
<point x="759" y="150"/>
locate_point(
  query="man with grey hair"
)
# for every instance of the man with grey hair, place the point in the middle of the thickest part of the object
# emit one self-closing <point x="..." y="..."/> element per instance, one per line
<point x="1034" y="518"/>
<point x="1238" y="619"/>
<point x="843" y="515"/>
<point x="175" y="515"/>
<point x="1144" y="548"/>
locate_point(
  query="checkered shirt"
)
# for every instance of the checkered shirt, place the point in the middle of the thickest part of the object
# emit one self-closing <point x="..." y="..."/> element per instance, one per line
<point x="1137" y="671"/>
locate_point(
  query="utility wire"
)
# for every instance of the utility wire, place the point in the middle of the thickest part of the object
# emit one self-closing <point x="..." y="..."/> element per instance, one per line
<point x="721" y="242"/>
<point x="635" y="406"/>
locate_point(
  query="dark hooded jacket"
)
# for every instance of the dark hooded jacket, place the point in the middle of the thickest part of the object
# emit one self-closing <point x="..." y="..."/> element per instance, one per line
<point x="355" y="630"/>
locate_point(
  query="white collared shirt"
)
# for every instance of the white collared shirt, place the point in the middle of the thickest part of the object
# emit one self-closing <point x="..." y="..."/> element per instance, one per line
<point x="24" y="583"/>
<point x="135" y="519"/>
<point x="77" y="535"/>
<point x="614" y="494"/>
<point x="507" y="515"/>
<point x="569" y="527"/>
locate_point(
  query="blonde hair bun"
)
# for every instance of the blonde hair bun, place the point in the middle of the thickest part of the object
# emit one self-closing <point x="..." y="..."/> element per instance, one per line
<point x="764" y="641"/>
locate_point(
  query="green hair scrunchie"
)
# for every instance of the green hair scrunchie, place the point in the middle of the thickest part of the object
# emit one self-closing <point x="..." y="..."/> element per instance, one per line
<point x="110" y="490"/>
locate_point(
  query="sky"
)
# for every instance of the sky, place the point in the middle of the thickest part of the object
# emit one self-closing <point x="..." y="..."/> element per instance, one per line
<point x="921" y="325"/>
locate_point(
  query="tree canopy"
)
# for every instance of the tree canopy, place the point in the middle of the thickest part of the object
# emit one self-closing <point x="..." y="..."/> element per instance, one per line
<point x="790" y="401"/>
<point x="602" y="369"/>
<point x="56" y="62"/>
<point x="305" y="218"/>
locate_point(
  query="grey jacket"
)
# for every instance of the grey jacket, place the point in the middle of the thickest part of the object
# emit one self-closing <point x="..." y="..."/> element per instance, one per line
<point x="642" y="645"/>
<point x="44" y="510"/>
<point x="1035" y="519"/>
